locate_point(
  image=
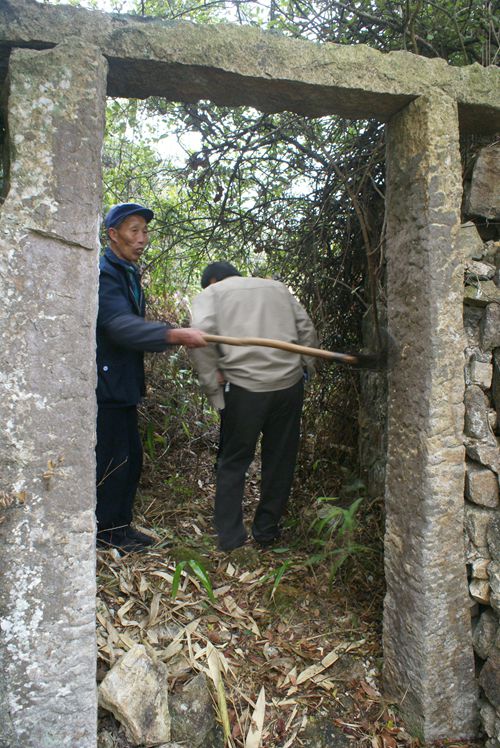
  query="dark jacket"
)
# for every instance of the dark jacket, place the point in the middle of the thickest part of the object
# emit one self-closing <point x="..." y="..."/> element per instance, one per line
<point x="122" y="334"/>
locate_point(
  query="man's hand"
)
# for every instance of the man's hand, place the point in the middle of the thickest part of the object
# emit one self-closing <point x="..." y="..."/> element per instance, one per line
<point x="188" y="336"/>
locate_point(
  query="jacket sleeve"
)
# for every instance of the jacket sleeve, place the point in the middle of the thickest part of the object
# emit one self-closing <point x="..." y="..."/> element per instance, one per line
<point x="122" y="326"/>
<point x="306" y="334"/>
<point x="206" y="360"/>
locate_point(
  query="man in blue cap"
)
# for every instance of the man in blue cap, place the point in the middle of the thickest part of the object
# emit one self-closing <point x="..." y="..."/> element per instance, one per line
<point x="122" y="337"/>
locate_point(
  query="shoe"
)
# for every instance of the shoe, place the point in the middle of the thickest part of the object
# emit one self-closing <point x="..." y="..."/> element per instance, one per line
<point x="118" y="538"/>
<point x="267" y="542"/>
<point x="227" y="548"/>
<point x="138" y="536"/>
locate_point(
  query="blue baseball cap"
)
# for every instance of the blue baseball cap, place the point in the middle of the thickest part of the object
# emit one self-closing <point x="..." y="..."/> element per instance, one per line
<point x="119" y="212"/>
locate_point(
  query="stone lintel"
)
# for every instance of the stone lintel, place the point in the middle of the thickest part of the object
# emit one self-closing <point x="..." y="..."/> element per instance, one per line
<point x="241" y="65"/>
<point x="428" y="658"/>
<point x="48" y="285"/>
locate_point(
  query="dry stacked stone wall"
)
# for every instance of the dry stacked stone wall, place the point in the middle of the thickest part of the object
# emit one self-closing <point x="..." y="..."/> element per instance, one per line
<point x="481" y="430"/>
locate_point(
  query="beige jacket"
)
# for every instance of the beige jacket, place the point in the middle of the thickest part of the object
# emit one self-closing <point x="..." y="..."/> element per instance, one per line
<point x="250" y="307"/>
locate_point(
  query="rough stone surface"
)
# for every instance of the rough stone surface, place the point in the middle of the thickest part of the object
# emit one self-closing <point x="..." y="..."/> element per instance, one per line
<point x="48" y="286"/>
<point x="478" y="271"/>
<point x="489" y="678"/>
<point x="488" y="716"/>
<point x="485" y="452"/>
<point x="484" y="634"/>
<point x="477" y="521"/>
<point x="481" y="485"/>
<point x="479" y="371"/>
<point x="235" y="65"/>
<point x="477" y="424"/>
<point x="469" y="243"/>
<point x="494" y="577"/>
<point x="484" y="195"/>
<point x="322" y="733"/>
<point x="192" y="713"/>
<point x="495" y="384"/>
<point x="480" y="591"/>
<point x="135" y="690"/>
<point x="493" y="537"/>
<point x="479" y="568"/>
<point x="482" y="293"/>
<point x="428" y="657"/>
<point x="490" y="327"/>
<point x="472" y="325"/>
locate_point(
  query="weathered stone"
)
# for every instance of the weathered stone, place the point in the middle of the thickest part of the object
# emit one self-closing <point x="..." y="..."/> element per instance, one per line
<point x="477" y="425"/>
<point x="469" y="243"/>
<point x="481" y="485"/>
<point x="472" y="324"/>
<point x="478" y="271"/>
<point x="493" y="419"/>
<point x="490" y="327"/>
<point x="48" y="285"/>
<point x="484" y="195"/>
<point x="487" y="453"/>
<point x="235" y="65"/>
<point x="484" y="634"/>
<point x="479" y="568"/>
<point x="493" y="537"/>
<point x="495" y="384"/>
<point x="488" y="716"/>
<point x="136" y="691"/>
<point x="489" y="678"/>
<point x="494" y="577"/>
<point x="479" y="590"/>
<point x="477" y="521"/>
<point x="479" y="370"/>
<point x="192" y="713"/>
<point x="425" y="462"/>
<point x="482" y="293"/>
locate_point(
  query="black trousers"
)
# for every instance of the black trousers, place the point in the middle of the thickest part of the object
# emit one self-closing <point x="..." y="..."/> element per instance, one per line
<point x="275" y="415"/>
<point x="119" y="465"/>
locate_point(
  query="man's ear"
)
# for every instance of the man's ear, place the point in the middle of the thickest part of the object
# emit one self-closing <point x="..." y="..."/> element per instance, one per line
<point x="212" y="281"/>
<point x="112" y="234"/>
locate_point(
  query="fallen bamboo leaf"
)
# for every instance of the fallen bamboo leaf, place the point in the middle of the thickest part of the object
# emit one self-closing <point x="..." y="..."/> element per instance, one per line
<point x="214" y="669"/>
<point x="254" y="734"/>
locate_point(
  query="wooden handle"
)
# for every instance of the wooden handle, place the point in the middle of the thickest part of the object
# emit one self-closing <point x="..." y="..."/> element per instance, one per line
<point x="343" y="358"/>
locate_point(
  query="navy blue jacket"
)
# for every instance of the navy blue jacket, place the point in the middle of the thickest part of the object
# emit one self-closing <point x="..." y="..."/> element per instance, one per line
<point x="122" y="334"/>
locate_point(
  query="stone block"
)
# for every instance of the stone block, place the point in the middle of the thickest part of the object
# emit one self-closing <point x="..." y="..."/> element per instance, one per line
<point x="479" y="568"/>
<point x="494" y="575"/>
<point x="477" y="404"/>
<point x="489" y="678"/>
<point x="493" y="537"/>
<point x="472" y="324"/>
<point x="482" y="293"/>
<point x="479" y="372"/>
<point x="469" y="243"/>
<point x="479" y="590"/>
<point x="477" y="521"/>
<point x="484" y="634"/>
<point x="488" y="717"/>
<point x="192" y="713"/>
<point x="481" y="485"/>
<point x="490" y="327"/>
<point x="495" y="384"/>
<point x="484" y="195"/>
<point x="478" y="271"/>
<point x="136" y="691"/>
<point x="485" y="452"/>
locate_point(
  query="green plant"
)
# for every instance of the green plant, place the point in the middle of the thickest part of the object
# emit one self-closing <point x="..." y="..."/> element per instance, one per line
<point x="334" y="528"/>
<point x="199" y="571"/>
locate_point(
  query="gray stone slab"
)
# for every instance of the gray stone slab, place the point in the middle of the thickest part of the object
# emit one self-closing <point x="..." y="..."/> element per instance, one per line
<point x="235" y="65"/>
<point x="48" y="284"/>
<point x="428" y="656"/>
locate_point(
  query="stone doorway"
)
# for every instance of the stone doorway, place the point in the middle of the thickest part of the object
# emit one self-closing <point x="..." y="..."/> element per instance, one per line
<point x="57" y="84"/>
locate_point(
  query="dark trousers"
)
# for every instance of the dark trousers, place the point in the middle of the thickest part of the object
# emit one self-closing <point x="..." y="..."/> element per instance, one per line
<point x="275" y="415"/>
<point x="119" y="465"/>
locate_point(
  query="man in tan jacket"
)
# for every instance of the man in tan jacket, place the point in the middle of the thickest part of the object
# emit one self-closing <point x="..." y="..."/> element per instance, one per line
<point x="259" y="390"/>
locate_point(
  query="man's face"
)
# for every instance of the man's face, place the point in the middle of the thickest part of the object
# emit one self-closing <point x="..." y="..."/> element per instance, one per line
<point x="129" y="239"/>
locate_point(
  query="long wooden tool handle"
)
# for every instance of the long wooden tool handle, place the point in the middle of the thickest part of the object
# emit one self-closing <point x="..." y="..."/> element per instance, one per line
<point x="303" y="350"/>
